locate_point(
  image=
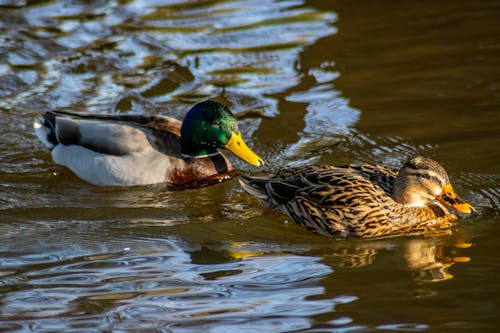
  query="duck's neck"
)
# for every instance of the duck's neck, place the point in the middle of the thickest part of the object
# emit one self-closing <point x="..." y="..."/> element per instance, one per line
<point x="193" y="149"/>
<point x="407" y="197"/>
<point x="403" y="194"/>
<point x="202" y="170"/>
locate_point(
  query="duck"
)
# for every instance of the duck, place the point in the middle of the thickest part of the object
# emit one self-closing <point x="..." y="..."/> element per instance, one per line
<point x="363" y="201"/>
<point x="132" y="150"/>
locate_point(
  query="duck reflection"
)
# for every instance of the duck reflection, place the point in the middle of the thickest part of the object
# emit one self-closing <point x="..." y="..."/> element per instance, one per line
<point x="430" y="262"/>
<point x="428" y="259"/>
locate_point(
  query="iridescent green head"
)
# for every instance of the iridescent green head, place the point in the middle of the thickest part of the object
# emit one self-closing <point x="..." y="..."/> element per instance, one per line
<point x="210" y="126"/>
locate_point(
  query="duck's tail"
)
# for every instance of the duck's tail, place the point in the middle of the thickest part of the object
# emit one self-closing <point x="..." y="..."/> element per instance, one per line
<point x="254" y="186"/>
<point x="45" y="128"/>
<point x="272" y="192"/>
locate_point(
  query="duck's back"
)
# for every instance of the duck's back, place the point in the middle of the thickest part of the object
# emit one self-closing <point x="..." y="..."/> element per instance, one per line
<point x="112" y="134"/>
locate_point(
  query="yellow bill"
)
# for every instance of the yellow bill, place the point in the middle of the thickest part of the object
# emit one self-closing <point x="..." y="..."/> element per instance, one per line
<point x="449" y="197"/>
<point x="238" y="147"/>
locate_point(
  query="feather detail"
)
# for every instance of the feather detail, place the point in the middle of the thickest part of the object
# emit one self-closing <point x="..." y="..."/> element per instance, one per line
<point x="346" y="201"/>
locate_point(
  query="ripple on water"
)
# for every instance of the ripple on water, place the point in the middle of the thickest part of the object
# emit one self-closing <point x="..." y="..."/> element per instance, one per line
<point x="223" y="303"/>
<point x="131" y="289"/>
<point x="213" y="45"/>
<point x="403" y="327"/>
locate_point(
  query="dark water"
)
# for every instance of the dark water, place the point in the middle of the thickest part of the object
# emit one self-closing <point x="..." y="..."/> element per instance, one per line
<point x="317" y="81"/>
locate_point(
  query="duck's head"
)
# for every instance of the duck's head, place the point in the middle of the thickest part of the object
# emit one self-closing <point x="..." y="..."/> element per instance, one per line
<point x="210" y="126"/>
<point x="422" y="181"/>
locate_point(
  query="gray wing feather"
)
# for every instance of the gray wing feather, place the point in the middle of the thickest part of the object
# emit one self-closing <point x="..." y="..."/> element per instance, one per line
<point x="104" y="137"/>
<point x="110" y="134"/>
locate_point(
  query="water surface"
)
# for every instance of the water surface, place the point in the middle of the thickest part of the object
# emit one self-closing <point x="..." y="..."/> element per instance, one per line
<point x="311" y="82"/>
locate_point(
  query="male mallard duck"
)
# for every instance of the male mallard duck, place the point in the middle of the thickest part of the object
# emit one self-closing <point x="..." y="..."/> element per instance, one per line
<point x="125" y="150"/>
<point x="362" y="200"/>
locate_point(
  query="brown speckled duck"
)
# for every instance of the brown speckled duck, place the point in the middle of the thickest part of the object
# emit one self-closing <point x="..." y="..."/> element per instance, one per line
<point x="127" y="150"/>
<point x="362" y="200"/>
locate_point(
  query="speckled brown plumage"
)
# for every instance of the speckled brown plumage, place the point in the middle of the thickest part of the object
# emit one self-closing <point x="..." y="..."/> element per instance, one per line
<point x="350" y="201"/>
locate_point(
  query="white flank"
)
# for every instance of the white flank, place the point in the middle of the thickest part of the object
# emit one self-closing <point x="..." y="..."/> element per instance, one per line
<point x="139" y="168"/>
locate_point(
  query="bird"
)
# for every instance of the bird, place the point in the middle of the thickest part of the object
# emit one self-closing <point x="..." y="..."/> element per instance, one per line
<point x="131" y="150"/>
<point x="362" y="201"/>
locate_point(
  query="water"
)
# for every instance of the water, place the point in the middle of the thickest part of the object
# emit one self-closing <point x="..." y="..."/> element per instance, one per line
<point x="311" y="82"/>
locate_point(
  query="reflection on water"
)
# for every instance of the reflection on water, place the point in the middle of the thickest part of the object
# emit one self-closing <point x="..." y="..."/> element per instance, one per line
<point x="164" y="284"/>
<point x="310" y="81"/>
<point x="427" y="258"/>
<point x="431" y="262"/>
<point x="145" y="53"/>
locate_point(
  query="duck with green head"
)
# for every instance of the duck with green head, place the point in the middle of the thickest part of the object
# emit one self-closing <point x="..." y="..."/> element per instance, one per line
<point x="127" y="150"/>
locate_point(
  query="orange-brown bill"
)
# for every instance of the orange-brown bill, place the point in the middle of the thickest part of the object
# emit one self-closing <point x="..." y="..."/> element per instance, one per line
<point x="449" y="197"/>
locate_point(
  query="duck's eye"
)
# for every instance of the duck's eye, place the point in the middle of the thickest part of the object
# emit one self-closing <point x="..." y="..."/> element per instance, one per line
<point x="426" y="176"/>
<point x="216" y="123"/>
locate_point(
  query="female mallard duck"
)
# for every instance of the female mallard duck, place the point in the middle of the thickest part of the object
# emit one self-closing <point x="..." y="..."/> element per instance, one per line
<point x="362" y="200"/>
<point x="125" y="150"/>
